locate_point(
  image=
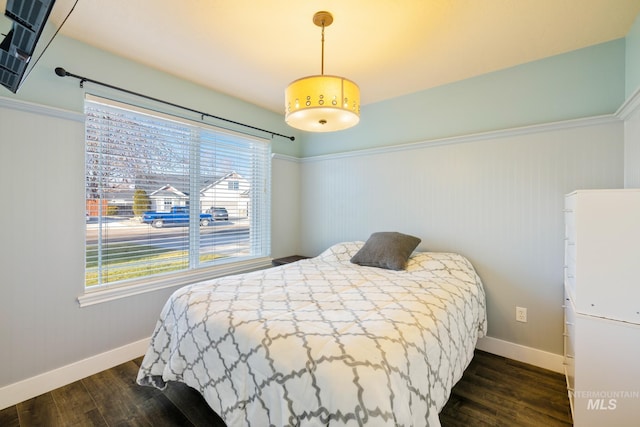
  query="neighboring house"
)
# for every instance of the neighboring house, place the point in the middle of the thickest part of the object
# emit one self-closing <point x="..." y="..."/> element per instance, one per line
<point x="166" y="197"/>
<point x="230" y="191"/>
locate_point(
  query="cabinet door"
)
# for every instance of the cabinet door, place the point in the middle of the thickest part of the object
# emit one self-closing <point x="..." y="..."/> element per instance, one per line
<point x="607" y="378"/>
<point x="607" y="254"/>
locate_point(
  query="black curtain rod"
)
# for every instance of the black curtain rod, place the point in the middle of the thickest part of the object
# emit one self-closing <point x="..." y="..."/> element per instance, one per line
<point x="64" y="73"/>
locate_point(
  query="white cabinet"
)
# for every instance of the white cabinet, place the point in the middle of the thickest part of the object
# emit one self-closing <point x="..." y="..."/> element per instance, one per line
<point x="602" y="306"/>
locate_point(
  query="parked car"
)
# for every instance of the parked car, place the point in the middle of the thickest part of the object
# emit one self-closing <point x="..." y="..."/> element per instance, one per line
<point x="219" y="214"/>
<point x="179" y="215"/>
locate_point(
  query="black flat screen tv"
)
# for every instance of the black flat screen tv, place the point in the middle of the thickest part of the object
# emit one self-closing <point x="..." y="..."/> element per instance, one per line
<point x="28" y="18"/>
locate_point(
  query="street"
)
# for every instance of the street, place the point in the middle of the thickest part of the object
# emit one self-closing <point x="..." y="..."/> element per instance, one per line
<point x="219" y="233"/>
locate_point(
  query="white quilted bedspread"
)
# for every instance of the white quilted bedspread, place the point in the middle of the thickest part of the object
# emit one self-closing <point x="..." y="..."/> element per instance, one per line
<point x="323" y="341"/>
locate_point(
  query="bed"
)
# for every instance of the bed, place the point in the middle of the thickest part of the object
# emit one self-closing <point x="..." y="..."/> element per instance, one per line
<point x="323" y="341"/>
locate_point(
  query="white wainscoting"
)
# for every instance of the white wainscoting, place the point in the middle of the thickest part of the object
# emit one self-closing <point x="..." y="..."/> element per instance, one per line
<point x="496" y="198"/>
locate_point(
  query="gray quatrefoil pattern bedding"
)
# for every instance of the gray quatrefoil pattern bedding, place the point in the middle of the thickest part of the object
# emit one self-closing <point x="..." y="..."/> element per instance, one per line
<point x="323" y="342"/>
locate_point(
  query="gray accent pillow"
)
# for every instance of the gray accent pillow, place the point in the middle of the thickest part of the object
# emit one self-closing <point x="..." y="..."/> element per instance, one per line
<point x="386" y="249"/>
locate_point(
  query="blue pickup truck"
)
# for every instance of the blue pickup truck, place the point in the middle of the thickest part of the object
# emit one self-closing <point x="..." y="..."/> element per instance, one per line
<point x="179" y="215"/>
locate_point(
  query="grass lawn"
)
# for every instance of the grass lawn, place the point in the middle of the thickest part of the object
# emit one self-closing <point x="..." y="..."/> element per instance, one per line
<point x="122" y="261"/>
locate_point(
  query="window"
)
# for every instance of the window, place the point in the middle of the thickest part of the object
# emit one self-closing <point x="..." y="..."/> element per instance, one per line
<point x="152" y="182"/>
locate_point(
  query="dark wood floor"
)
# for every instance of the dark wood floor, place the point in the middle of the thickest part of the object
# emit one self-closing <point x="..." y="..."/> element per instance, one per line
<point x="494" y="391"/>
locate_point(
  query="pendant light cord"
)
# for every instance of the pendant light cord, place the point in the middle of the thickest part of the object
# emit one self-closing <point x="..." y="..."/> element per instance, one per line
<point x="322" y="54"/>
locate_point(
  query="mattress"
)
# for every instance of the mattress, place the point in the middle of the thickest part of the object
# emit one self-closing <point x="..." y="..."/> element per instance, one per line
<point x="323" y="341"/>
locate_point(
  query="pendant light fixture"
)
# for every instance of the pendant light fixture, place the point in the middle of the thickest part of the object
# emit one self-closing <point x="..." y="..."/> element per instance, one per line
<point x="322" y="103"/>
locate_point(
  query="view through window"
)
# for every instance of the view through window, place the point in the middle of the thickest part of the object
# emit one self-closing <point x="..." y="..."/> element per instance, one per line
<point x="164" y="194"/>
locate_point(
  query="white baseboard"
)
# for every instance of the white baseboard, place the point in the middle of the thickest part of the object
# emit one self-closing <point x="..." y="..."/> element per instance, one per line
<point x="521" y="353"/>
<point x="15" y="393"/>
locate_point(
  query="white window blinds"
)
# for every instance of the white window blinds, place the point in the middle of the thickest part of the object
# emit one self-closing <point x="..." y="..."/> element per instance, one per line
<point x="165" y="195"/>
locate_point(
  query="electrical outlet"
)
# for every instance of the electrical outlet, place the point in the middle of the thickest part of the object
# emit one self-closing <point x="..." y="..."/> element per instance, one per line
<point x="521" y="314"/>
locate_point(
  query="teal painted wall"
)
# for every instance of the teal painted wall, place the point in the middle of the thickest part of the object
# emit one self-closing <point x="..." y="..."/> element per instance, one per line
<point x="582" y="83"/>
<point x="632" y="67"/>
<point x="44" y="87"/>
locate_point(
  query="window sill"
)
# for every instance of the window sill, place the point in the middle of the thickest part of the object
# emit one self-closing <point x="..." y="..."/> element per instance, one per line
<point x="111" y="293"/>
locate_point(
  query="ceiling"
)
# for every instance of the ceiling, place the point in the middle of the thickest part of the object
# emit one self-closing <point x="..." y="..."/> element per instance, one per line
<point x="253" y="49"/>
